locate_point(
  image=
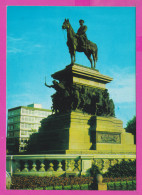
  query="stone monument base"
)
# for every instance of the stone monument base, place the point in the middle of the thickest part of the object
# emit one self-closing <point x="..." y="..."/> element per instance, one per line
<point x="81" y="133"/>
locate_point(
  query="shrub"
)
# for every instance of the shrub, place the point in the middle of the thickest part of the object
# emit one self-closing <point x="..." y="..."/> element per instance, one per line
<point x="49" y="188"/>
<point x="110" y="179"/>
<point x="76" y="187"/>
<point x="84" y="187"/>
<point x="121" y="186"/>
<point x="124" y="169"/>
<point x="94" y="170"/>
<point x="24" y="182"/>
<point x="67" y="187"/>
<point x="58" y="187"/>
<point x="39" y="188"/>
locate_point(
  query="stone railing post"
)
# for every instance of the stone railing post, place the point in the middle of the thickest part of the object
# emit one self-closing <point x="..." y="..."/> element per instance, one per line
<point x="10" y="165"/>
<point x="100" y="184"/>
<point x="86" y="165"/>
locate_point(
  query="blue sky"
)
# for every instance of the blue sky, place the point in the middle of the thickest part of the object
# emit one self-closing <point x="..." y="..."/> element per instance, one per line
<point x="36" y="47"/>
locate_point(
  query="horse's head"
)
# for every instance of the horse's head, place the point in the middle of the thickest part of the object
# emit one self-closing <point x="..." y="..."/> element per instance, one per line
<point x="66" y="24"/>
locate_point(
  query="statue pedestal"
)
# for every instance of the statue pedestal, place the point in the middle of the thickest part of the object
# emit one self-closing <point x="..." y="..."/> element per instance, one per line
<point x="76" y="132"/>
<point x="82" y="75"/>
<point x="80" y="133"/>
<point x="102" y="186"/>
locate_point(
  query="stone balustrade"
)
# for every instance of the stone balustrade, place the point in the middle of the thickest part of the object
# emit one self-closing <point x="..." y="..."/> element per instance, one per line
<point x="57" y="165"/>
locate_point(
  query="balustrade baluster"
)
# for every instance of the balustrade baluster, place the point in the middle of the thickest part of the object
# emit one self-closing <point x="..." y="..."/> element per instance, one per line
<point x="25" y="167"/>
<point x="69" y="166"/>
<point x="59" y="166"/>
<point x="42" y="169"/>
<point x="34" y="167"/>
<point x="51" y="167"/>
<point x="17" y="166"/>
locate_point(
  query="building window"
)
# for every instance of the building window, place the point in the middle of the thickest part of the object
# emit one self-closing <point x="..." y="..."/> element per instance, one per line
<point x="21" y="141"/>
<point x="26" y="118"/>
<point x="10" y="134"/>
<point x="25" y="111"/>
<point x="9" y="113"/>
<point x="22" y="118"/>
<point x="22" y="125"/>
<point x="30" y="112"/>
<point x="10" y="120"/>
<point x="33" y="119"/>
<point x="16" y="126"/>
<point x="16" y="134"/>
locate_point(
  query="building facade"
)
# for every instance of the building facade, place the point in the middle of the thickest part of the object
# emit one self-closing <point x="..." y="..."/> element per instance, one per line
<point x="22" y="122"/>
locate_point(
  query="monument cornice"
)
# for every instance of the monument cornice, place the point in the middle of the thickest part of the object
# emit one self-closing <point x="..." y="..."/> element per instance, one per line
<point x="90" y="73"/>
<point x="79" y="74"/>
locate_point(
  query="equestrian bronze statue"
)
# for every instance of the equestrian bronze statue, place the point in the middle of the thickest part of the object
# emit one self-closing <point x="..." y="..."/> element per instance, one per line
<point x="79" y="42"/>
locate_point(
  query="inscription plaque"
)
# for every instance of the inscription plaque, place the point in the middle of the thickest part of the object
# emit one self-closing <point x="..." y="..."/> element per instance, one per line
<point x="103" y="137"/>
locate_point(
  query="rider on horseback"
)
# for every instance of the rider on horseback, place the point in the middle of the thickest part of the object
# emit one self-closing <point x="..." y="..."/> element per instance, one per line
<point x="79" y="42"/>
<point x="81" y="34"/>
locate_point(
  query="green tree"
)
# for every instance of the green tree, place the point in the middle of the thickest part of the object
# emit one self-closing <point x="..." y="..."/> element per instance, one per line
<point x="131" y="127"/>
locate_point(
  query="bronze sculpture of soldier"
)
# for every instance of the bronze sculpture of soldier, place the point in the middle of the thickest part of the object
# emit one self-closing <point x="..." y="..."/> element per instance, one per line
<point x="81" y="34"/>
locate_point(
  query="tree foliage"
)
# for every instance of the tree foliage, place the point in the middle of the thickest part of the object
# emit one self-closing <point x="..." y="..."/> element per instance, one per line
<point x="131" y="126"/>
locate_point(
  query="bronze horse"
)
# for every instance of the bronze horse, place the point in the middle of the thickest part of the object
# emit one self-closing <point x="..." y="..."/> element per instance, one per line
<point x="73" y="45"/>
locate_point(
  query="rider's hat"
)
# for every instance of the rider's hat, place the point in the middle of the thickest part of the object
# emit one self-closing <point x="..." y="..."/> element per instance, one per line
<point x="81" y="21"/>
